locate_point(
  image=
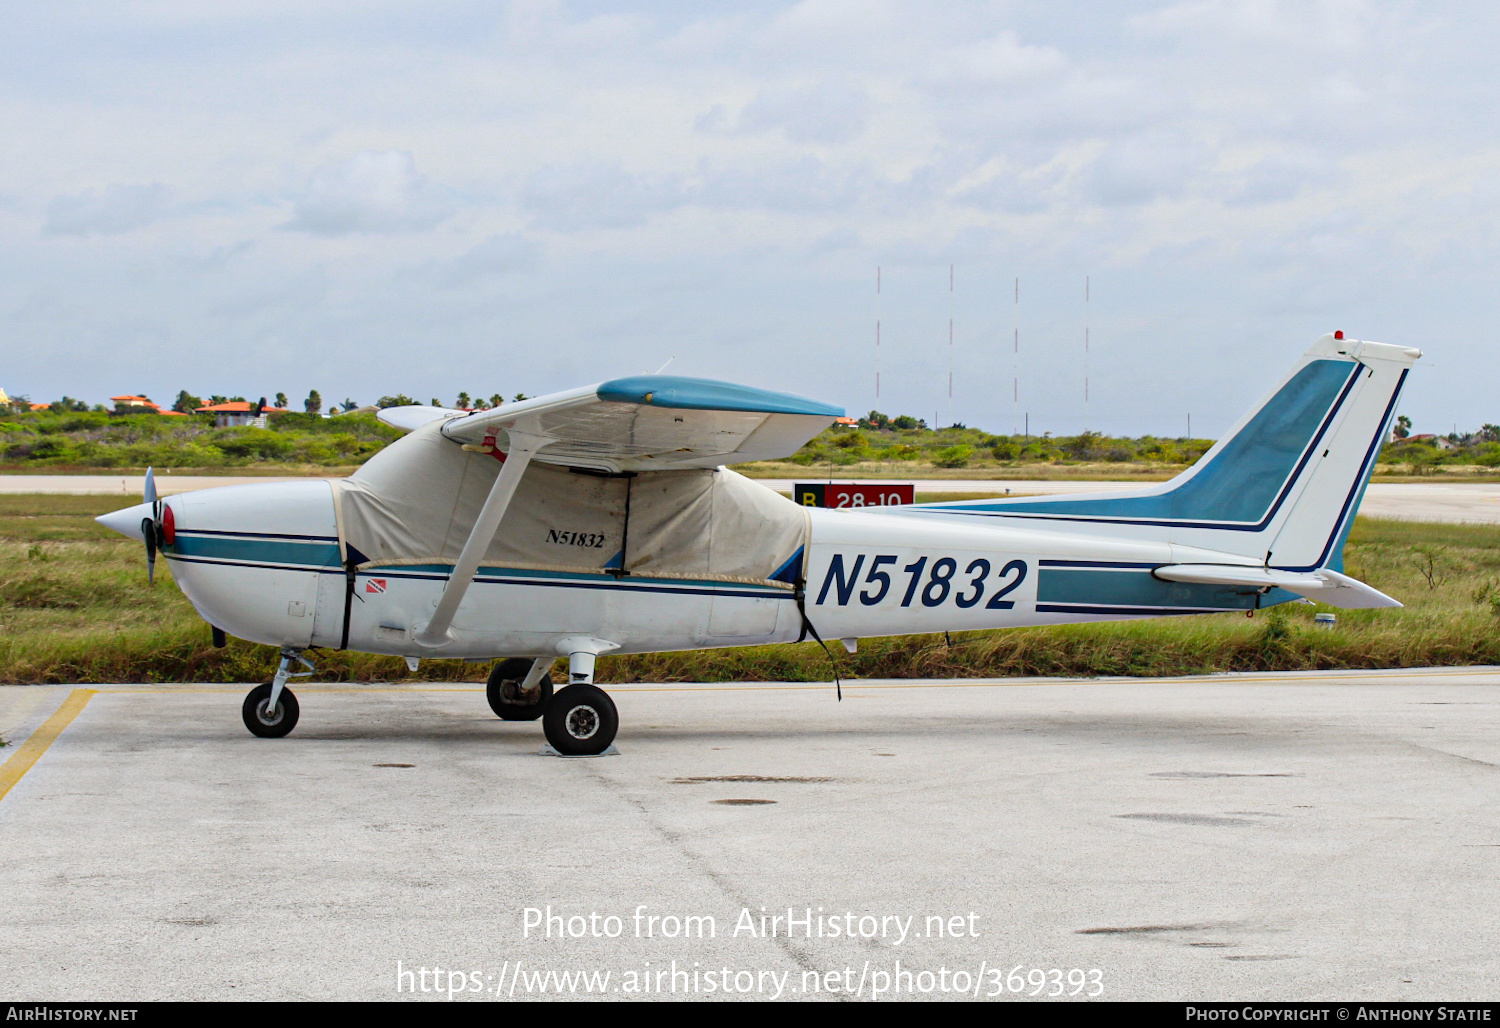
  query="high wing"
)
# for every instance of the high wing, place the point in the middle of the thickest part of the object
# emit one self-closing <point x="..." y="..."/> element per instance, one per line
<point x="643" y="423"/>
<point x="646" y="423"/>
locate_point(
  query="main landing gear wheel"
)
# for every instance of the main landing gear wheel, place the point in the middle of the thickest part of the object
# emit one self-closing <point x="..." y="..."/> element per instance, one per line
<point x="506" y="697"/>
<point x="270" y="724"/>
<point x="581" y="721"/>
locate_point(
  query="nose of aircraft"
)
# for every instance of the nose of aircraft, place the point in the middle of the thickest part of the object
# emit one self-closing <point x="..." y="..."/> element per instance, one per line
<point x="127" y="521"/>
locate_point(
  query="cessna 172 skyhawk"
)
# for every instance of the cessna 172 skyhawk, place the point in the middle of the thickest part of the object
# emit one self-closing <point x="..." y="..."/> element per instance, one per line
<point x="604" y="520"/>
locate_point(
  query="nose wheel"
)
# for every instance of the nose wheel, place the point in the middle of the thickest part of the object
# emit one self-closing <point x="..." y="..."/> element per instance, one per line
<point x="270" y="711"/>
<point x="266" y="720"/>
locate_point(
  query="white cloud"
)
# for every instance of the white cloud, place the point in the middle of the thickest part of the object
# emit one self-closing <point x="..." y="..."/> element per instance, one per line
<point x="598" y="195"/>
<point x="373" y="191"/>
<point x="792" y="187"/>
<point x="1323" y="26"/>
<point x="1012" y="190"/>
<point x="110" y="211"/>
<point x="506" y="254"/>
<point x="826" y="113"/>
<point x="1281" y="176"/>
<point x="1143" y="168"/>
<point x="1001" y="58"/>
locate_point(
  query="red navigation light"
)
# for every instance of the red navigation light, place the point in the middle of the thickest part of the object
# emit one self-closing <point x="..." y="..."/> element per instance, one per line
<point x="168" y="526"/>
<point x="1339" y="334"/>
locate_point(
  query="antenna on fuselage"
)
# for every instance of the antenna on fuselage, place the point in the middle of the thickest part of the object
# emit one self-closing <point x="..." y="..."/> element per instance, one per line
<point x="659" y="370"/>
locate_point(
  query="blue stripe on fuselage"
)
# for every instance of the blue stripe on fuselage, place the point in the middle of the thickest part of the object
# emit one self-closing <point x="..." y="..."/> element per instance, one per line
<point x="257" y="549"/>
<point x="1104" y="586"/>
<point x="281" y="554"/>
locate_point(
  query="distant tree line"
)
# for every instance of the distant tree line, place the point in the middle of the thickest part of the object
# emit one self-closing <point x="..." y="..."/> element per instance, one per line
<point x="188" y="403"/>
<point x="104" y="439"/>
<point x="881" y="438"/>
<point x="71" y="431"/>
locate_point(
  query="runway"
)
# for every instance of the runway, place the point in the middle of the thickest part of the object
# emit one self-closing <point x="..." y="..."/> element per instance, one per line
<point x="1406" y="501"/>
<point x="1272" y="836"/>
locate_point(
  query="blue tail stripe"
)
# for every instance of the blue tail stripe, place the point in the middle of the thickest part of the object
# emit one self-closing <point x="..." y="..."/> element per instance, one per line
<point x="1245" y="483"/>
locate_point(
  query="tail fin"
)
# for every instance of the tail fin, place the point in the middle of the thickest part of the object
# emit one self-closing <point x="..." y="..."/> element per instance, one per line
<point x="1319" y="510"/>
<point x="1281" y="487"/>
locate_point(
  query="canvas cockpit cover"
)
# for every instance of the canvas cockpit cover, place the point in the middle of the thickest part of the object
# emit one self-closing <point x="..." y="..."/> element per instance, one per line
<point x="416" y="501"/>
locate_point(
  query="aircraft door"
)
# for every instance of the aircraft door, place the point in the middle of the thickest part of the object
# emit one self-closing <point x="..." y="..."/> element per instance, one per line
<point x="742" y="617"/>
<point x="328" y="622"/>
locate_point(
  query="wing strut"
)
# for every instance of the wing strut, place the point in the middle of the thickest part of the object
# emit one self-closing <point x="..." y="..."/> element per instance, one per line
<point x="523" y="447"/>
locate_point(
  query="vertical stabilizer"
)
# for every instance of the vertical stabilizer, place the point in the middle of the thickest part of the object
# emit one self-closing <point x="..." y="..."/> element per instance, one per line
<point x="1280" y="488"/>
<point x="1314" y="523"/>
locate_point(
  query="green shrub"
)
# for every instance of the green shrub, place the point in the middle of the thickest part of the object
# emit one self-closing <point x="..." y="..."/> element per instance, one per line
<point x="953" y="456"/>
<point x="253" y="443"/>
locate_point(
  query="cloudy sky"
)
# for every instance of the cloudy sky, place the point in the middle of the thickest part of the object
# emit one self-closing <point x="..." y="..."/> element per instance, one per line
<point x="280" y="195"/>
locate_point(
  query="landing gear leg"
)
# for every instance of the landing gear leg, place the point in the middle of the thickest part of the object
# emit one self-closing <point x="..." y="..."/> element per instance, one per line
<point x="270" y="710"/>
<point x="581" y="720"/>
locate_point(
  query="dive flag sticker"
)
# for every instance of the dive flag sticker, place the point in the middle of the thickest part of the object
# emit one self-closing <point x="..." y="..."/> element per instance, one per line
<point x="374" y="585"/>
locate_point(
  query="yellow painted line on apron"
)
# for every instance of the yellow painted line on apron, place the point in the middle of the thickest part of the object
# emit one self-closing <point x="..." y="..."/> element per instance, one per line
<point x="32" y="749"/>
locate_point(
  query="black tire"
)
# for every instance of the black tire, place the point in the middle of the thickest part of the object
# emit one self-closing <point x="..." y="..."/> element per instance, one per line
<point x="504" y="691"/>
<point x="277" y="723"/>
<point x="581" y="722"/>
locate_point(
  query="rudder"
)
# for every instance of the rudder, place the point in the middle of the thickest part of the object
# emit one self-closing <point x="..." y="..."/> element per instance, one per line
<point x="1310" y="532"/>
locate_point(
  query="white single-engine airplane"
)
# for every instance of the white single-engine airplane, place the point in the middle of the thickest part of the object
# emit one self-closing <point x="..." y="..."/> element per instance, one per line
<point x="604" y="520"/>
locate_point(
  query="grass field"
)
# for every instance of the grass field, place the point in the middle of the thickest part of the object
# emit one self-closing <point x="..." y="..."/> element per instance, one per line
<point x="904" y="472"/>
<point x="75" y="608"/>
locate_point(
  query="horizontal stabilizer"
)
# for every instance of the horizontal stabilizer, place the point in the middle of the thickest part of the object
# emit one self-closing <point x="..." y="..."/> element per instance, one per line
<point x="1324" y="585"/>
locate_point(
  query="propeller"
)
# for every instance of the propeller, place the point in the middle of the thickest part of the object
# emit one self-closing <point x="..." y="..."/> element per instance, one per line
<point x="151" y="527"/>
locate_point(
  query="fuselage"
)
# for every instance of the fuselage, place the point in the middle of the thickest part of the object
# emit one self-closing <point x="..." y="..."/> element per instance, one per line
<point x="265" y="562"/>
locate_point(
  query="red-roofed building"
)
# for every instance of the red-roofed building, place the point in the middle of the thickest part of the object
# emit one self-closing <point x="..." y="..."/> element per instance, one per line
<point x="237" y="413"/>
<point x="1431" y="440"/>
<point x="143" y="403"/>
